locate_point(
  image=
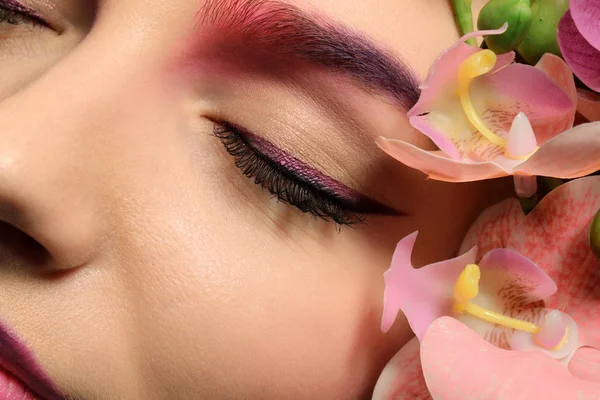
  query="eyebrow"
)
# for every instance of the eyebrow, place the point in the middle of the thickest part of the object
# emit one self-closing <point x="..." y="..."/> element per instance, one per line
<point x="279" y="28"/>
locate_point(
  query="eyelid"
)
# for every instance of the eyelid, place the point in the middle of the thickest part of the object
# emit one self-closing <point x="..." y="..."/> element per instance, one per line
<point x="276" y="180"/>
<point x="333" y="194"/>
<point x="12" y="9"/>
<point x="45" y="14"/>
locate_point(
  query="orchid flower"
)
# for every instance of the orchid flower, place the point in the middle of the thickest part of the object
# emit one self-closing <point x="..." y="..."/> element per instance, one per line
<point x="498" y="297"/>
<point x="522" y="259"/>
<point x="490" y="117"/>
<point x="579" y="40"/>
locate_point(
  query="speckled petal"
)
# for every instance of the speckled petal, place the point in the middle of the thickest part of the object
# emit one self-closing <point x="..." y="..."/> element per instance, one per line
<point x="402" y="378"/>
<point x="555" y="236"/>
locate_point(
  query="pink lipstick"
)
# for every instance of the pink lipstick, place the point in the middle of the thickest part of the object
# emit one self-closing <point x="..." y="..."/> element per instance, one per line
<point x="21" y="377"/>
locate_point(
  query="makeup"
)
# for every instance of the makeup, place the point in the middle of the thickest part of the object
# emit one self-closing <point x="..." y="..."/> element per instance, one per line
<point x="19" y="366"/>
<point x="278" y="35"/>
<point x="293" y="180"/>
<point x="16" y="7"/>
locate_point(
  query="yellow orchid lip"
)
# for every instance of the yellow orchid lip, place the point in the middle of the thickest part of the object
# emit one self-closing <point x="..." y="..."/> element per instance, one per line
<point x="466" y="289"/>
<point x="475" y="65"/>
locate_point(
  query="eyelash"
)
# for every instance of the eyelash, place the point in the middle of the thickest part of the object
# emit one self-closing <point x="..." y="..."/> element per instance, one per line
<point x="280" y="182"/>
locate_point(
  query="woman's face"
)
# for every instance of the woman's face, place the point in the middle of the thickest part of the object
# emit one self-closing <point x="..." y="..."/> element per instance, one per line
<point x="137" y="260"/>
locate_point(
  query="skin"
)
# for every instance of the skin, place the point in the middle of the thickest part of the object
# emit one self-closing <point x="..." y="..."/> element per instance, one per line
<point x="138" y="263"/>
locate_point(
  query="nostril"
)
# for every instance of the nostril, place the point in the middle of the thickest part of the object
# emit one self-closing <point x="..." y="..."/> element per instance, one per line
<point x="18" y="250"/>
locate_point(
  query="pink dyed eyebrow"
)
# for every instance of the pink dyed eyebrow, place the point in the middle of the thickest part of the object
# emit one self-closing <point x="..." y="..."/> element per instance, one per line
<point x="273" y="31"/>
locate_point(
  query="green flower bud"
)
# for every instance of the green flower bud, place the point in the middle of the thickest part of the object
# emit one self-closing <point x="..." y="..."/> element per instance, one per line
<point x="595" y="235"/>
<point x="496" y="13"/>
<point x="542" y="35"/>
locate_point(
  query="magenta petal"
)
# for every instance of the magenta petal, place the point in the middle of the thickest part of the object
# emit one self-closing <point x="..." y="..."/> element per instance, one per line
<point x="571" y="154"/>
<point x="437" y="166"/>
<point x="586" y="14"/>
<point x="423" y="294"/>
<point x="582" y="57"/>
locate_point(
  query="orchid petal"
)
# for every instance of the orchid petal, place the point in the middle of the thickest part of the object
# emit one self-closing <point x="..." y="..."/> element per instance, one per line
<point x="555" y="236"/>
<point x="457" y="363"/>
<point x="586" y="14"/>
<point x="572" y="154"/>
<point x="439" y="91"/>
<point x="402" y="377"/>
<point x="523" y="88"/>
<point x="443" y="72"/>
<point x="588" y="104"/>
<point x="585" y="364"/>
<point x="582" y="57"/>
<point x="561" y="74"/>
<point x="422" y="294"/>
<point x="437" y="166"/>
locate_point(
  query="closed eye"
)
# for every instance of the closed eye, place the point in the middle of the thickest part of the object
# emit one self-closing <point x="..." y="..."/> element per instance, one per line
<point x="294" y="182"/>
<point x="13" y="13"/>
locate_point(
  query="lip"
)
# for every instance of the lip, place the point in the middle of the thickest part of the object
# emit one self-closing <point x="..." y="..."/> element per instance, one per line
<point x="17" y="361"/>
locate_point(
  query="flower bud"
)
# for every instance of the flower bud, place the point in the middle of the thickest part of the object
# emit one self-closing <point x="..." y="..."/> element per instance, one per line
<point x="595" y="235"/>
<point x="542" y="35"/>
<point x="497" y="12"/>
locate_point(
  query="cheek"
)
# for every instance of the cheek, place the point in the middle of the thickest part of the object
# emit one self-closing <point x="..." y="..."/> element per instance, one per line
<point x="228" y="302"/>
<point x="229" y="295"/>
<point x="290" y="324"/>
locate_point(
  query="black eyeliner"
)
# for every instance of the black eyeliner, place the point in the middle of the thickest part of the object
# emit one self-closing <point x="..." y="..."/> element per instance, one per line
<point x="293" y="181"/>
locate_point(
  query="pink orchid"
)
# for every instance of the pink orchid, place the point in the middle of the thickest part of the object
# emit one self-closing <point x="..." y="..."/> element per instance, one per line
<point x="490" y="117"/>
<point x="508" y="285"/>
<point x="554" y="236"/>
<point x="579" y="40"/>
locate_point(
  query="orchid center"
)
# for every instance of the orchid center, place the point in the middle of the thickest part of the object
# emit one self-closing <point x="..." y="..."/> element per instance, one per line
<point x="552" y="335"/>
<point x="521" y="142"/>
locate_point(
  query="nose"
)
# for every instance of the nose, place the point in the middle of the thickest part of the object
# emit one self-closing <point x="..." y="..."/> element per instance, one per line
<point x="47" y="189"/>
<point x="55" y="158"/>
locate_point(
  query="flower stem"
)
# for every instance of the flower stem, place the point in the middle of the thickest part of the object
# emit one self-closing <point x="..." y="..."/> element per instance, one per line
<point x="463" y="17"/>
